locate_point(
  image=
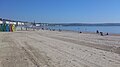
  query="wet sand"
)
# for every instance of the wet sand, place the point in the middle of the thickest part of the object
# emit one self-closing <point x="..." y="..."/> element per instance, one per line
<point x="58" y="49"/>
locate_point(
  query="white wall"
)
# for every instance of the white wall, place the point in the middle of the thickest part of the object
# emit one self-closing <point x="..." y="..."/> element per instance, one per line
<point x="1" y="22"/>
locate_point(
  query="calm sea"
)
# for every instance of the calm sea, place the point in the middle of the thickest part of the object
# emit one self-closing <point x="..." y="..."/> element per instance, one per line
<point x="109" y="29"/>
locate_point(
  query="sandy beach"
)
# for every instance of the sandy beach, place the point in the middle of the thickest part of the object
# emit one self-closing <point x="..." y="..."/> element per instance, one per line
<point x="58" y="49"/>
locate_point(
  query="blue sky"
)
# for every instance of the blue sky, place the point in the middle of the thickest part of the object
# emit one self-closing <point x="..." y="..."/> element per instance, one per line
<point x="90" y="11"/>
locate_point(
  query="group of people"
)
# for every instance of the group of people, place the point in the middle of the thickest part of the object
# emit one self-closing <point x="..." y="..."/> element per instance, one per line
<point x="101" y="33"/>
<point x="97" y="32"/>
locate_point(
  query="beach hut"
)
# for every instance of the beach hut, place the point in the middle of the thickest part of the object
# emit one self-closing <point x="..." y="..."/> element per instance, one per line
<point x="10" y="27"/>
<point x="4" y="27"/>
<point x="0" y="27"/>
<point x="7" y="28"/>
<point x="13" y="27"/>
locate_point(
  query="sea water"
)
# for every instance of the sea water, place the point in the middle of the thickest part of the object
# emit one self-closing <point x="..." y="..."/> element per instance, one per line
<point x="106" y="29"/>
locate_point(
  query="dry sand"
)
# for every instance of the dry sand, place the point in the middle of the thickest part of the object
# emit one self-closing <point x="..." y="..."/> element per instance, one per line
<point x="58" y="49"/>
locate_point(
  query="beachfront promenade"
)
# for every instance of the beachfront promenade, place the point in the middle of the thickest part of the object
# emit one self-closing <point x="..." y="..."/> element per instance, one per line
<point x="45" y="48"/>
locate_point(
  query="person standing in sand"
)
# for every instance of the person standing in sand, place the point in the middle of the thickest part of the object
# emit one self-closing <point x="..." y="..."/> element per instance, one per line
<point x="97" y="31"/>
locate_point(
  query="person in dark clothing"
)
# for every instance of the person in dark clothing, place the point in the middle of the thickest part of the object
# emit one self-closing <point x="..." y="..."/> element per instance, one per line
<point x="80" y="32"/>
<point x="97" y="31"/>
<point x="107" y="34"/>
<point x="42" y="28"/>
<point x="101" y="33"/>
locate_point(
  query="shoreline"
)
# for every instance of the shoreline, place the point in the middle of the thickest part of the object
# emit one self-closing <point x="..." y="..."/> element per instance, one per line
<point x="86" y="32"/>
<point x="110" y="34"/>
<point x="91" y="29"/>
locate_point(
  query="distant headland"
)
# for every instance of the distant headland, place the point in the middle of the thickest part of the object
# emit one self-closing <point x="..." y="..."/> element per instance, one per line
<point x="85" y="24"/>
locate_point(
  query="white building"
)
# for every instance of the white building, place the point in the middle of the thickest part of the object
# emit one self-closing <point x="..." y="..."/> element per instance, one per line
<point x="1" y="22"/>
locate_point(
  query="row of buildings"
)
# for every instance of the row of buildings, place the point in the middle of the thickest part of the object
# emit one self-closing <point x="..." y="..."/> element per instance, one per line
<point x="22" y="23"/>
<point x="17" y="23"/>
